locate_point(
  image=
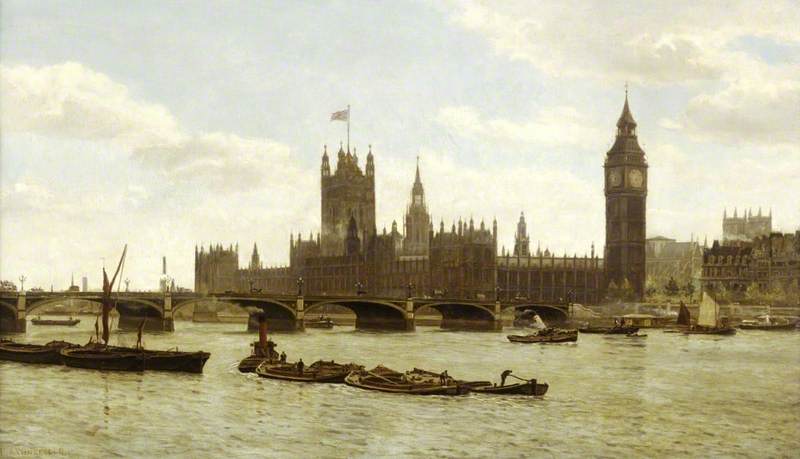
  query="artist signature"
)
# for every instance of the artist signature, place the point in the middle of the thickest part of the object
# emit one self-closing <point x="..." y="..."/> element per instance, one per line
<point x="24" y="451"/>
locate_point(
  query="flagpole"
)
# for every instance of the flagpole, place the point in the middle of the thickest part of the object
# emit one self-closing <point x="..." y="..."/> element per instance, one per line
<point x="348" y="128"/>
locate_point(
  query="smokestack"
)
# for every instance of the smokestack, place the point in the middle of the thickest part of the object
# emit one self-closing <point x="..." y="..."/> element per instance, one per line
<point x="164" y="265"/>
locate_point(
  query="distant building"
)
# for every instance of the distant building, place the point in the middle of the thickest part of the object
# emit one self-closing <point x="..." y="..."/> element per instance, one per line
<point x="349" y="255"/>
<point x="768" y="262"/>
<point x="669" y="259"/>
<point x="745" y="228"/>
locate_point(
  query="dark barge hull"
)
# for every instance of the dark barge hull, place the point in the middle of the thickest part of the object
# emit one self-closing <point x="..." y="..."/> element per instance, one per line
<point x="354" y="380"/>
<point x="66" y="323"/>
<point x="769" y="327"/>
<point x="33" y="353"/>
<point x="531" y="388"/>
<point x="187" y="362"/>
<point x="287" y="372"/>
<point x="610" y="330"/>
<point x="572" y="337"/>
<point x="95" y="359"/>
<point x="710" y="331"/>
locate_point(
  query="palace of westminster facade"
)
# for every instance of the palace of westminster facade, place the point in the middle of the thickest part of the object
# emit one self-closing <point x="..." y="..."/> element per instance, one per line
<point x="349" y="255"/>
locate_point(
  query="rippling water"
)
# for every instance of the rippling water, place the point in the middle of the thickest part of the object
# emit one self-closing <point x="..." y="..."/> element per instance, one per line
<point x="610" y="396"/>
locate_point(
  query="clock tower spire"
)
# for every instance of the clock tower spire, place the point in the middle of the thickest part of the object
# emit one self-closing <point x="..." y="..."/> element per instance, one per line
<point x="626" y="208"/>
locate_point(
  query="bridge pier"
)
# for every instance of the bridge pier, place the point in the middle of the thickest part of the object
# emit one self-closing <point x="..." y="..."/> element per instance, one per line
<point x="410" y="323"/>
<point x="497" y="324"/>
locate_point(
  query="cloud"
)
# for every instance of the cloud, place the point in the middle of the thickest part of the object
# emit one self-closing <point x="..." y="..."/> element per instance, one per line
<point x="559" y="126"/>
<point x="754" y="109"/>
<point x="616" y="41"/>
<point x="71" y="101"/>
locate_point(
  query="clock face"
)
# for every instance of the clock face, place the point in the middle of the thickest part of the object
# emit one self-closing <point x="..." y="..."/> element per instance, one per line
<point x="636" y="178"/>
<point x="614" y="178"/>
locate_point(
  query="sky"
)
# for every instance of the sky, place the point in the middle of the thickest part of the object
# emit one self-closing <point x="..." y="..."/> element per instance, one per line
<point x="165" y="125"/>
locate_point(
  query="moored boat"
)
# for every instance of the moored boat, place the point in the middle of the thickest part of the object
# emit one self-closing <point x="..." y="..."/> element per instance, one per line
<point x="34" y="353"/>
<point x="98" y="357"/>
<point x="767" y="322"/>
<point x="320" y="322"/>
<point x="531" y="387"/>
<point x="547" y="335"/>
<point x="615" y="330"/>
<point x="417" y="382"/>
<point x="320" y="371"/>
<point x="65" y="322"/>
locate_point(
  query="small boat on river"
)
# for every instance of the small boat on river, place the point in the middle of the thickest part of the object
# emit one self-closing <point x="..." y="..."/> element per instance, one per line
<point x="767" y="322"/>
<point x="524" y="388"/>
<point x="65" y="322"/>
<point x="708" y="320"/>
<point x="320" y="322"/>
<point x="320" y="371"/>
<point x="547" y="335"/>
<point x="416" y="382"/>
<point x="615" y="330"/>
<point x="34" y="353"/>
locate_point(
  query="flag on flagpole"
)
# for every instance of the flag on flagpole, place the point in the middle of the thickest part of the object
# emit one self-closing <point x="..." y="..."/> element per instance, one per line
<point x="343" y="115"/>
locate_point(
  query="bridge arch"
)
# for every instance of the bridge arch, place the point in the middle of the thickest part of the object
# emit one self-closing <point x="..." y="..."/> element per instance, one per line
<point x="280" y="316"/>
<point x="463" y="315"/>
<point x="371" y="313"/>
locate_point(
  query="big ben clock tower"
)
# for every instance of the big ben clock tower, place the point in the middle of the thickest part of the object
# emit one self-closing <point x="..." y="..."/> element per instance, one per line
<point x="626" y="207"/>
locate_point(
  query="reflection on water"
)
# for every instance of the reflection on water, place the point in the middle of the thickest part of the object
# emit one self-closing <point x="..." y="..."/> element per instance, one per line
<point x="664" y="395"/>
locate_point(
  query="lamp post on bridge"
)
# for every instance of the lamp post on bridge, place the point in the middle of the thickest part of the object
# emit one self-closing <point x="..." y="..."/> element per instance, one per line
<point x="22" y="283"/>
<point x="360" y="288"/>
<point x="410" y="290"/>
<point x="300" y="286"/>
<point x="497" y="293"/>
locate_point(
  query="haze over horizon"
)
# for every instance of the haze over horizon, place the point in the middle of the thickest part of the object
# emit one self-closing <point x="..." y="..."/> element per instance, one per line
<point x="163" y="126"/>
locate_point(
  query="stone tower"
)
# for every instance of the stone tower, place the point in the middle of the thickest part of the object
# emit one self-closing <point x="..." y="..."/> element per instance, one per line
<point x="417" y="221"/>
<point x="626" y="207"/>
<point x="522" y="243"/>
<point x="346" y="193"/>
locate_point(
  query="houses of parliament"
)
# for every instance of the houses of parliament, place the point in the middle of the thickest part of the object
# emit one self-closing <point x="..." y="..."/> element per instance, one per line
<point x="350" y="256"/>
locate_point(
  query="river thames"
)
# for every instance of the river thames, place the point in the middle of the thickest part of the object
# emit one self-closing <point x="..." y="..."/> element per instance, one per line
<point x="610" y="396"/>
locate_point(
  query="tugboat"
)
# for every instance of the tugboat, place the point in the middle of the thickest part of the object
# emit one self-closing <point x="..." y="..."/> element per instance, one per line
<point x="262" y="350"/>
<point x="544" y="334"/>
<point x="708" y="320"/>
<point x="547" y="335"/>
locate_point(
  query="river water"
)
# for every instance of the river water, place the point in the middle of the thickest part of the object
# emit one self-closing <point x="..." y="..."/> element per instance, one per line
<point x="610" y="396"/>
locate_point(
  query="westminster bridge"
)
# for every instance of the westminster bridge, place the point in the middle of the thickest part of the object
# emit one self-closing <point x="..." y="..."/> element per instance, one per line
<point x="283" y="312"/>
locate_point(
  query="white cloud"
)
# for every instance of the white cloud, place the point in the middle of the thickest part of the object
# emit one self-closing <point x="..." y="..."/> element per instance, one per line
<point x="559" y="126"/>
<point x="754" y="108"/>
<point x="648" y="44"/>
<point x="71" y="101"/>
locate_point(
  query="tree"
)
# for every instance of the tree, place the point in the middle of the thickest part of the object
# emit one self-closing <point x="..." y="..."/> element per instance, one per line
<point x="626" y="292"/>
<point x="689" y="289"/>
<point x="671" y="288"/>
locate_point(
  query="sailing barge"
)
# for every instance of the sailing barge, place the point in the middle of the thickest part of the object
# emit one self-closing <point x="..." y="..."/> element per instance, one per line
<point x="708" y="320"/>
<point x="99" y="356"/>
<point x="547" y="335"/>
